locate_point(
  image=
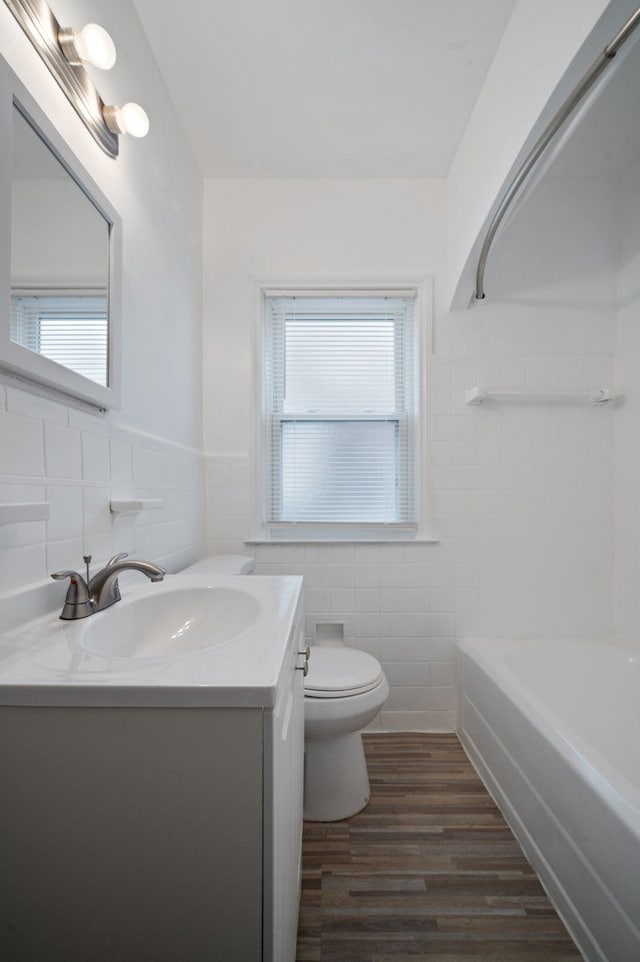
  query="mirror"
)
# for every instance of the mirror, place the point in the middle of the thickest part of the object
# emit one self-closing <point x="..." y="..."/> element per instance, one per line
<point x="59" y="260"/>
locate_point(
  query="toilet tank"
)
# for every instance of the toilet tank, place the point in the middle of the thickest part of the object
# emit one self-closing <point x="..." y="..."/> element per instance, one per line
<point x="220" y="565"/>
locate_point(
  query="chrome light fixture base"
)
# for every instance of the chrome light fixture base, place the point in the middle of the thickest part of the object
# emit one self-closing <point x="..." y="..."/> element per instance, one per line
<point x="43" y="30"/>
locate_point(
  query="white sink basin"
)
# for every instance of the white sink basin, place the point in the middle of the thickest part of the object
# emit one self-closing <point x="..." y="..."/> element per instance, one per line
<point x="171" y="622"/>
<point x="185" y="642"/>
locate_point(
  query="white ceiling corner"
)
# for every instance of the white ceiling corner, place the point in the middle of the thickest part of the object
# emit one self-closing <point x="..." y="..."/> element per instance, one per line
<point x="324" y="88"/>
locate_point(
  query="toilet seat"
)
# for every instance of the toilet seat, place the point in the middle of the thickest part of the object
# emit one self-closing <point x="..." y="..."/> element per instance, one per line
<point x="341" y="672"/>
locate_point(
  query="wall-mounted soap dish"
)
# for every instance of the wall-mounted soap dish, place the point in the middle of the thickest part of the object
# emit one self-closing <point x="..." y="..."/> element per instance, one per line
<point x="133" y="505"/>
<point x="24" y="511"/>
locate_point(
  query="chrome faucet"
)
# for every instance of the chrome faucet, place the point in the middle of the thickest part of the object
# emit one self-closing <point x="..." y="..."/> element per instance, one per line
<point x="87" y="596"/>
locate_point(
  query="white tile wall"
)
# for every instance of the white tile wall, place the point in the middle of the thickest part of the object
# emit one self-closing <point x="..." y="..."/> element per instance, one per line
<point x="522" y="495"/>
<point x="77" y="462"/>
<point x="522" y="506"/>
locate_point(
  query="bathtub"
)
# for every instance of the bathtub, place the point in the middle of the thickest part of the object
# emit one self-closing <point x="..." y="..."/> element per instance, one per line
<point x="553" y="728"/>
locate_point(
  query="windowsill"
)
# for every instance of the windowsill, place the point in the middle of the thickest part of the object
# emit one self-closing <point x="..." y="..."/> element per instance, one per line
<point x="346" y="540"/>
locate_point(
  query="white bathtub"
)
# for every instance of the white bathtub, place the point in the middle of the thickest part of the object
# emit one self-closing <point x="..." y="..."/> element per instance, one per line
<point x="553" y="728"/>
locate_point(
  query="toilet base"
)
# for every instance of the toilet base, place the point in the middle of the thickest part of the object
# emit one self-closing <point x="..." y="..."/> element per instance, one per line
<point x="336" y="782"/>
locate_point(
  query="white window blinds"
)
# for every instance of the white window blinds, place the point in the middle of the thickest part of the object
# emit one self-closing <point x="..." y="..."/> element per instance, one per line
<point x="341" y="409"/>
<point x="70" y="329"/>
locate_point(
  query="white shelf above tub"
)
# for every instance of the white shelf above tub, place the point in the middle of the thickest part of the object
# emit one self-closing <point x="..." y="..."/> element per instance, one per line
<point x="24" y="511"/>
<point x="476" y="395"/>
<point x="133" y="505"/>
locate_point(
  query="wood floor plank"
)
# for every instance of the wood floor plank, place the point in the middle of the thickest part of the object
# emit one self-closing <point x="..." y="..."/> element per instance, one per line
<point x="429" y="870"/>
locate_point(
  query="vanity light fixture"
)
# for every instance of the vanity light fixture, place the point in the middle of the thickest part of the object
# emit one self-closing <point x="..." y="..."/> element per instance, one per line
<point x="65" y="51"/>
<point x="130" y="119"/>
<point x="92" y="44"/>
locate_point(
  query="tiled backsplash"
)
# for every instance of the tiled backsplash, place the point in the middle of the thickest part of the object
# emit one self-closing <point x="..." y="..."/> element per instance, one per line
<point x="78" y="462"/>
<point x="522" y="509"/>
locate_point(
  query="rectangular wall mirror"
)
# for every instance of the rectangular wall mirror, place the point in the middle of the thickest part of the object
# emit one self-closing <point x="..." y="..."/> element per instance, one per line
<point x="60" y="326"/>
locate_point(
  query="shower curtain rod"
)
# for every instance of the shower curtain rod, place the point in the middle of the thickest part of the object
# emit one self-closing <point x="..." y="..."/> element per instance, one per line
<point x="545" y="138"/>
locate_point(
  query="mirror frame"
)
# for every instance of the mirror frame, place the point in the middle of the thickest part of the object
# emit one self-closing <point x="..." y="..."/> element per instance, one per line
<point x="13" y="357"/>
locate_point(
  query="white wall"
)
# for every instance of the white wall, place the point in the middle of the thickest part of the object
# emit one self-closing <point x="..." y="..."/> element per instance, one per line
<point x="521" y="494"/>
<point x="627" y="450"/>
<point x="52" y="450"/>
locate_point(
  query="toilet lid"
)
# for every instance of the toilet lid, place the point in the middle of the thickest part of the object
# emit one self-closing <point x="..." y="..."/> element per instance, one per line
<point x="338" y="672"/>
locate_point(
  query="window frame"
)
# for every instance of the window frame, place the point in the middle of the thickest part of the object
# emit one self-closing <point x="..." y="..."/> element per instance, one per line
<point x="264" y="531"/>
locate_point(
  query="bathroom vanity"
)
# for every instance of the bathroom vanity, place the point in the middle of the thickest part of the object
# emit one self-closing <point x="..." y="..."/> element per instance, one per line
<point x="152" y="802"/>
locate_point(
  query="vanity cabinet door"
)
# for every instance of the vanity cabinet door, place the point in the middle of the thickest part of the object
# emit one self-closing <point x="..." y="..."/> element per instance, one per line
<point x="131" y="834"/>
<point x="284" y="762"/>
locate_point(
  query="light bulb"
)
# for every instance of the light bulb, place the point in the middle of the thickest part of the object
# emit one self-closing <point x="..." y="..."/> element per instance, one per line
<point x="133" y="120"/>
<point x="130" y="119"/>
<point x="92" y="44"/>
<point x="95" y="45"/>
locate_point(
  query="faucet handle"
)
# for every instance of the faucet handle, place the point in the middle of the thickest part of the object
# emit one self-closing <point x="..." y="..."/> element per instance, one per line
<point x="77" y="603"/>
<point x="78" y="591"/>
<point x="116" y="558"/>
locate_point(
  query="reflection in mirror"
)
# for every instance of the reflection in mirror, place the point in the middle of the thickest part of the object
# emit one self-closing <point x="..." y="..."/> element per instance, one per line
<point x="59" y="261"/>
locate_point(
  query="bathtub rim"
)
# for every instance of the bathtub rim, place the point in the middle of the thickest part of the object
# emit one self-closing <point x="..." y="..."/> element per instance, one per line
<point x="604" y="778"/>
<point x="594" y="898"/>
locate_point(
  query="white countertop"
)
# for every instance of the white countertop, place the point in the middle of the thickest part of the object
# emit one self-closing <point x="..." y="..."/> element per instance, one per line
<point x="44" y="662"/>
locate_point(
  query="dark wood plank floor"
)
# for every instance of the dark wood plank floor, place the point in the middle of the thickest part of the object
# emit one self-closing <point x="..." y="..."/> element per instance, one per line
<point x="428" y="870"/>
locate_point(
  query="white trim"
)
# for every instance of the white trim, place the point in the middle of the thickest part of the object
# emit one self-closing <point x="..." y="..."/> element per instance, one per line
<point x="295" y="291"/>
<point x="54" y="287"/>
<point x="344" y="540"/>
<point x="422" y="289"/>
<point x="121" y="431"/>
<point x="14" y="358"/>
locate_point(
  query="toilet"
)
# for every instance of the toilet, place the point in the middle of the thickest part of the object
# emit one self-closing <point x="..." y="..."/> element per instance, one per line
<point x="343" y="691"/>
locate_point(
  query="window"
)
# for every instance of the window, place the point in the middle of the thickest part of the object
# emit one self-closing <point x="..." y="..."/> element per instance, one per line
<point x="70" y="329"/>
<point x="341" y="405"/>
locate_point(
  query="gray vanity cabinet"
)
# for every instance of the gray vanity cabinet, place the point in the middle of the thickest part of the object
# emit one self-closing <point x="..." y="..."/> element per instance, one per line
<point x="153" y="834"/>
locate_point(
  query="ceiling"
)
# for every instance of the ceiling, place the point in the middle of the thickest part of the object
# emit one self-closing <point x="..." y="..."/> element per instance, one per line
<point x="324" y="88"/>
